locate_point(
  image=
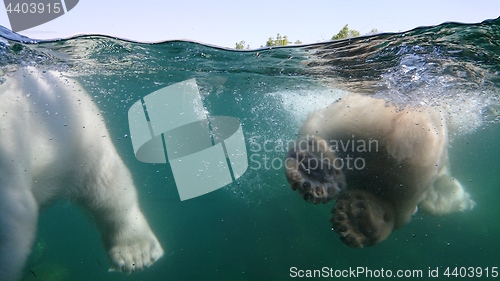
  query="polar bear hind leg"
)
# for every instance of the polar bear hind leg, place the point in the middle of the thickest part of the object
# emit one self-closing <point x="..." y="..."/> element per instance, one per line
<point x="310" y="169"/>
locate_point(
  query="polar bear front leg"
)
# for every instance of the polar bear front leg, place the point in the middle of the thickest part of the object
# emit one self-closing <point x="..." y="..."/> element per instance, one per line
<point x="112" y="201"/>
<point x="18" y="205"/>
<point x="131" y="244"/>
<point x="18" y="222"/>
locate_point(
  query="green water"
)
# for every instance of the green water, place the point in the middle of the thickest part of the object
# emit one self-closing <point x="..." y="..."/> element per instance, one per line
<point x="257" y="228"/>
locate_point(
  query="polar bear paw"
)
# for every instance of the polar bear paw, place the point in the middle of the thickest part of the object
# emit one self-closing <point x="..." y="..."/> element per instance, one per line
<point x="362" y="219"/>
<point x="310" y="169"/>
<point x="135" y="254"/>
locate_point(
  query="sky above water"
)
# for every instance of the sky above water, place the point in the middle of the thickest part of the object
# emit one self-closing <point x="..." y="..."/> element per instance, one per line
<point x="223" y="22"/>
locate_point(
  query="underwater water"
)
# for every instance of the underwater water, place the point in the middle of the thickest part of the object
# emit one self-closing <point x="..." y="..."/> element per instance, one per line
<point x="257" y="228"/>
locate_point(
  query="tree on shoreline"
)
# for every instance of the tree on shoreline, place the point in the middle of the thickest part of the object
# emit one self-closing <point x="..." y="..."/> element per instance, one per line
<point x="241" y="46"/>
<point x="279" y="41"/>
<point x="271" y="42"/>
<point x="345" y="32"/>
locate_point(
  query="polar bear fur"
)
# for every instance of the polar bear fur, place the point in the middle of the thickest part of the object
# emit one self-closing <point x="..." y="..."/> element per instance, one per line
<point x="398" y="161"/>
<point x="54" y="143"/>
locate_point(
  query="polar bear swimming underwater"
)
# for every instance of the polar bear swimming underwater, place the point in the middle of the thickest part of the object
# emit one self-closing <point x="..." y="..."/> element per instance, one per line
<point x="54" y="143"/>
<point x="379" y="163"/>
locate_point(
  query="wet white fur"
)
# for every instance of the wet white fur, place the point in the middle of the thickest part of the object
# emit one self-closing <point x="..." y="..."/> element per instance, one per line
<point x="54" y="143"/>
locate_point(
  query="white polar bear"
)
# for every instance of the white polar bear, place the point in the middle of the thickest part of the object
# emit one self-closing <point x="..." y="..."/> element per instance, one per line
<point x="378" y="162"/>
<point x="54" y="143"/>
